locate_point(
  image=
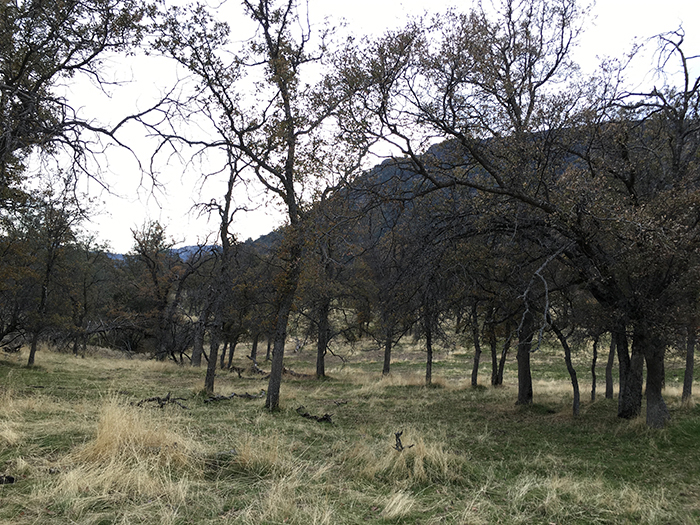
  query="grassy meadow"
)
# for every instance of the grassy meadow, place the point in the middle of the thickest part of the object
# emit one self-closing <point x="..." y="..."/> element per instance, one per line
<point x="82" y="451"/>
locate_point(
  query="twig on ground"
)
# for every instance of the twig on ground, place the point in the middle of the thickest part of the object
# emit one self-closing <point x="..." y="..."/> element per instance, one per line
<point x="233" y="394"/>
<point x="292" y="373"/>
<point x="399" y="446"/>
<point x="162" y="401"/>
<point x="325" y="418"/>
<point x="257" y="369"/>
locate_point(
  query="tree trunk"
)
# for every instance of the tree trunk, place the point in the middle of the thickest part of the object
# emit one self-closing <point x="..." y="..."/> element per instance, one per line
<point x="254" y="348"/>
<point x="689" y="365"/>
<point x="198" y="343"/>
<point x="593" y="364"/>
<point x="524" y="375"/>
<point x="429" y="359"/>
<point x="33" y="348"/>
<point x="222" y="359"/>
<point x="323" y="336"/>
<point x="504" y="353"/>
<point x="477" y="344"/>
<point x="387" y="354"/>
<point x="287" y="292"/>
<point x="232" y="349"/>
<point x="269" y="346"/>
<point x="211" y="364"/>
<point x="631" y="377"/>
<point x="570" y="368"/>
<point x="653" y="351"/>
<point x="609" y="387"/>
<point x="493" y="345"/>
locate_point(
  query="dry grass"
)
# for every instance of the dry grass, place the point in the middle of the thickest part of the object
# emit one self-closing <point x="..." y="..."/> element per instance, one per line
<point x="133" y="454"/>
<point x="85" y="456"/>
<point x="420" y="462"/>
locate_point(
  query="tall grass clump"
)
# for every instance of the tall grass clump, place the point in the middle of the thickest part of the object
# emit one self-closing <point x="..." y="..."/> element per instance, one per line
<point x="135" y="453"/>
<point x="421" y="462"/>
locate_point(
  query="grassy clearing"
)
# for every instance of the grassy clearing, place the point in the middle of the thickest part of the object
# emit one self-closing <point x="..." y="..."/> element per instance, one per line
<point x="83" y="452"/>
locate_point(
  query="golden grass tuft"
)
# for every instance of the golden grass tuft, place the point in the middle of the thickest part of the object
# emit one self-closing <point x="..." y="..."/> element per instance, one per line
<point x="263" y="456"/>
<point x="559" y="497"/>
<point x="9" y="435"/>
<point x="400" y="504"/>
<point x="422" y="463"/>
<point x="135" y="453"/>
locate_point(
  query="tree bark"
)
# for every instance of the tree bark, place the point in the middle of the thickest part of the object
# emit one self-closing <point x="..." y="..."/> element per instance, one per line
<point x="254" y="348"/>
<point x="493" y="345"/>
<point x="570" y="368"/>
<point x="504" y="353"/>
<point x="211" y="364"/>
<point x="689" y="365"/>
<point x="609" y="386"/>
<point x="631" y="377"/>
<point x="222" y="359"/>
<point x="232" y="349"/>
<point x="477" y="344"/>
<point x="33" y="348"/>
<point x="198" y="343"/>
<point x="387" y="353"/>
<point x="429" y="359"/>
<point x="286" y="300"/>
<point x="523" y="357"/>
<point x="653" y="351"/>
<point x="593" y="365"/>
<point x="323" y="336"/>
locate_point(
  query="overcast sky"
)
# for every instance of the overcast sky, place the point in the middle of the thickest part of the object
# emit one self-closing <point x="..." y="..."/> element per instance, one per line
<point x="615" y="25"/>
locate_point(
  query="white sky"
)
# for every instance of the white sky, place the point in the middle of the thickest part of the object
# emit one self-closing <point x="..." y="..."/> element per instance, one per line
<point x="616" y="24"/>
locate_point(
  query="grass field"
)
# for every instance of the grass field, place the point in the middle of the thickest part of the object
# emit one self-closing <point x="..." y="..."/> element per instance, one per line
<point x="82" y="451"/>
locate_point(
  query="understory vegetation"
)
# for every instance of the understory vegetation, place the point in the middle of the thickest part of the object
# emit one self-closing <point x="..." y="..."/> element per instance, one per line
<point x="105" y="439"/>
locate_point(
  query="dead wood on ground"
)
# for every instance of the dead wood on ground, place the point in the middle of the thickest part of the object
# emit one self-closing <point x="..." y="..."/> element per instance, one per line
<point x="162" y="401"/>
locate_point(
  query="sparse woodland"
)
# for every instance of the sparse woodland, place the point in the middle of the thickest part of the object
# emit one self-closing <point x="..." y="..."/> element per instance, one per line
<point x="514" y="286"/>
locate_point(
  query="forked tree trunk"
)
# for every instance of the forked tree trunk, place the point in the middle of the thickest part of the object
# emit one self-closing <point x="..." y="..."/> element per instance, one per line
<point x="631" y="376"/>
<point x="504" y="353"/>
<point x="609" y="386"/>
<point x="689" y="365"/>
<point x="477" y="345"/>
<point x="523" y="357"/>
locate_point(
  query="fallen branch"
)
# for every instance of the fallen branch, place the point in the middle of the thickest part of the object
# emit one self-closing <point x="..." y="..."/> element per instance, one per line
<point x="233" y="394"/>
<point x="399" y="446"/>
<point x="325" y="418"/>
<point x="162" y="401"/>
<point x="297" y="374"/>
<point x="257" y="369"/>
<point x="238" y="370"/>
